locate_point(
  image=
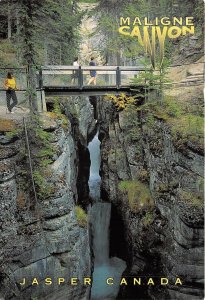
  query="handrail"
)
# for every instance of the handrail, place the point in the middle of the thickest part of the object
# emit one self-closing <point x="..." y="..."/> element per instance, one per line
<point x="97" y="68"/>
<point x="18" y="90"/>
<point x="13" y="68"/>
<point x="107" y="67"/>
<point x="82" y="71"/>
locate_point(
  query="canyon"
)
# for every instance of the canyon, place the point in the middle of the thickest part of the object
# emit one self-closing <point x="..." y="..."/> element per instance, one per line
<point x="144" y="178"/>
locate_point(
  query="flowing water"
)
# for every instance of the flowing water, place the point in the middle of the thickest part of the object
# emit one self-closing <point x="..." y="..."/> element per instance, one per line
<point x="100" y="213"/>
<point x="94" y="179"/>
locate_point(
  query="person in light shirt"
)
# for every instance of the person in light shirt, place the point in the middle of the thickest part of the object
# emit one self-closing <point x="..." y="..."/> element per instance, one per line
<point x="75" y="72"/>
<point x="10" y="87"/>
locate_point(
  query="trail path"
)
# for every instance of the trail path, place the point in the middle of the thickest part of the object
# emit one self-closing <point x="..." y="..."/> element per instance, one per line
<point x="19" y="113"/>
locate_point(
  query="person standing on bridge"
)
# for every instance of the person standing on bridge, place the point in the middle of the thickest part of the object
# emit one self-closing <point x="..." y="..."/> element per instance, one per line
<point x="93" y="73"/>
<point x="10" y="86"/>
<point x="75" y="72"/>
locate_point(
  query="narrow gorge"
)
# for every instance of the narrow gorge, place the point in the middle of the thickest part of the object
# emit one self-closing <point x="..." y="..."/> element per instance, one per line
<point x="115" y="203"/>
<point x="102" y="150"/>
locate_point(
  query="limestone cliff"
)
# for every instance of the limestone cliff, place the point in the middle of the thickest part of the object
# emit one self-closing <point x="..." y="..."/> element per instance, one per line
<point x="43" y="239"/>
<point x="161" y="233"/>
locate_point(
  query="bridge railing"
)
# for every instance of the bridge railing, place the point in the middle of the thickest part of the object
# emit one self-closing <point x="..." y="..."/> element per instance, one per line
<point x="78" y="77"/>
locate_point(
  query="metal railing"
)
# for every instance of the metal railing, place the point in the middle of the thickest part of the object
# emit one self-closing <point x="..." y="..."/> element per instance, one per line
<point x="71" y="76"/>
<point x="76" y="77"/>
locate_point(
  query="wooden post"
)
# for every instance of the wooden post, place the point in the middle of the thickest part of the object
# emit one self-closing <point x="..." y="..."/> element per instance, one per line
<point x="40" y="93"/>
<point x="40" y="80"/>
<point x="32" y="83"/>
<point x="27" y="82"/>
<point x="80" y="78"/>
<point x="118" y="78"/>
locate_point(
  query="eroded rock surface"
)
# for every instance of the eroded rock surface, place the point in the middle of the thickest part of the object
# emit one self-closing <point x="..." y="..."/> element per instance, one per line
<point x="167" y="241"/>
<point x="43" y="239"/>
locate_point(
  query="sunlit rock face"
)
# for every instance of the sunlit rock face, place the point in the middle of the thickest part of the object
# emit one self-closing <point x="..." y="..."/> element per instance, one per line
<point x="167" y="242"/>
<point x="90" y="40"/>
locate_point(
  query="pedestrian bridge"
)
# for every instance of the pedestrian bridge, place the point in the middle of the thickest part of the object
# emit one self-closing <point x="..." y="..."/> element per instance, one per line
<point x="71" y="80"/>
<point x="63" y="80"/>
<point x="59" y="80"/>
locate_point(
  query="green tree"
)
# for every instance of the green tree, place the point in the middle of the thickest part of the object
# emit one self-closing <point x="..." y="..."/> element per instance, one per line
<point x="42" y="32"/>
<point x="117" y="47"/>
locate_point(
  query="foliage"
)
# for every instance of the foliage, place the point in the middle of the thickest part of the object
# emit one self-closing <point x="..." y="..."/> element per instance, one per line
<point x="171" y="107"/>
<point x="117" y="48"/>
<point x="43" y="138"/>
<point x="185" y="122"/>
<point x="42" y="156"/>
<point x="143" y="175"/>
<point x="107" y="14"/>
<point x="165" y="109"/>
<point x="56" y="109"/>
<point x="134" y="133"/>
<point x="45" y="162"/>
<point x="7" y="54"/>
<point x="148" y="218"/>
<point x="58" y="116"/>
<point x="188" y="128"/>
<point x="88" y="1"/>
<point x="152" y="80"/>
<point x="138" y="194"/>
<point x="14" y="133"/>
<point x="43" y="32"/>
<point x="184" y="126"/>
<point x="44" y="190"/>
<point x="121" y="101"/>
<point x="81" y="216"/>
<point x="195" y="200"/>
<point x="43" y="152"/>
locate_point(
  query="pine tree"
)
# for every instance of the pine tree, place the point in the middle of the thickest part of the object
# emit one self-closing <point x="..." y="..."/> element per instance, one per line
<point x="42" y="24"/>
<point x="29" y="15"/>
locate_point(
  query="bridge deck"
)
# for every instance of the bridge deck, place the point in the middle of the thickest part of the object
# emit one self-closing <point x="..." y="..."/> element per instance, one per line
<point x="88" y="90"/>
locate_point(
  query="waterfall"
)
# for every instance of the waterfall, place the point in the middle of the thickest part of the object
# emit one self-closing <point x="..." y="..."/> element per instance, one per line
<point x="100" y="223"/>
<point x="94" y="179"/>
<point x="99" y="217"/>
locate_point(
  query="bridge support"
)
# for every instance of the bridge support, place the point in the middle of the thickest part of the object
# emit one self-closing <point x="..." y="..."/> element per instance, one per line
<point x="41" y="101"/>
<point x="118" y="78"/>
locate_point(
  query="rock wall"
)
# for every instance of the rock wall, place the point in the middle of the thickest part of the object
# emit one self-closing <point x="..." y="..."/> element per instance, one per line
<point x="170" y="242"/>
<point x="43" y="239"/>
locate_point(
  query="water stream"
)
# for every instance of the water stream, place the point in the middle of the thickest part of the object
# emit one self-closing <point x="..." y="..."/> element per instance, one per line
<point x="94" y="179"/>
<point x="100" y="213"/>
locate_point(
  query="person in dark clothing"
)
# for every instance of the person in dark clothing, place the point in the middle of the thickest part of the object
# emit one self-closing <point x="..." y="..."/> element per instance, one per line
<point x="10" y="86"/>
<point x="93" y="73"/>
